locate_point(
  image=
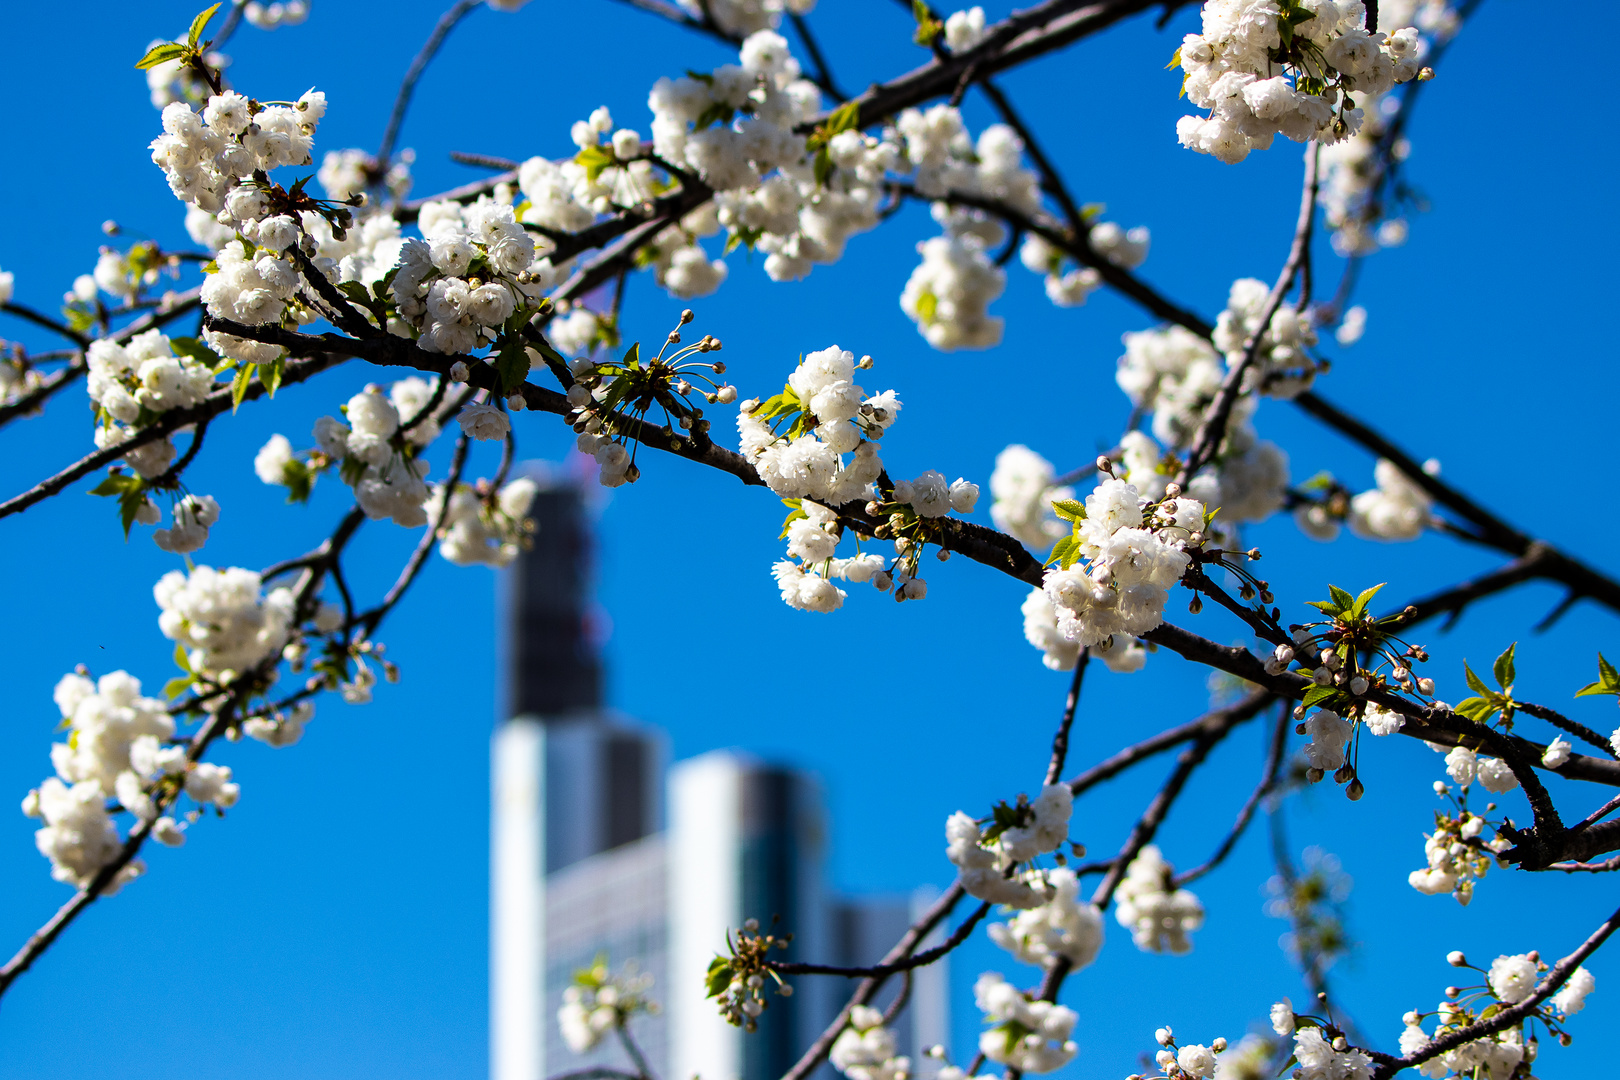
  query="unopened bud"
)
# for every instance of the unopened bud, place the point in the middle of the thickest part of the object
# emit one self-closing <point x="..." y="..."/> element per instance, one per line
<point x="1456" y="959"/>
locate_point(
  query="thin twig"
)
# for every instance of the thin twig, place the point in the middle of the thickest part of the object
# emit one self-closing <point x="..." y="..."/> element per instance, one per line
<point x="1212" y="430"/>
<point x="402" y="101"/>
<point x="1060" y="741"/>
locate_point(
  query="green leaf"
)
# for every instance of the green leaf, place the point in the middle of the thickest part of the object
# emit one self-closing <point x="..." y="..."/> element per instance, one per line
<point x="512" y="364"/>
<point x="1069" y="509"/>
<point x="300" y="480"/>
<point x="181" y="661"/>
<point x="718" y="978"/>
<point x="594" y="159"/>
<point x="272" y="375"/>
<point x="129" y="504"/>
<point x="1061" y="551"/>
<point x="1503" y="668"/>
<point x="823" y="167"/>
<point x="117" y="484"/>
<point x="718" y="113"/>
<point x="239" y="385"/>
<point x="1476" y="708"/>
<point x="927" y="305"/>
<point x="161" y="54"/>
<point x="1326" y="607"/>
<point x="1475" y="683"/>
<point x="193" y="349"/>
<point x="197" y="24"/>
<point x="1608" y="681"/>
<point x="1342" y="598"/>
<point x="1359" y="608"/>
<point x="1328" y="697"/>
<point x="1175" y="61"/>
<point x="787" y="523"/>
<point x="846" y="117"/>
<point x="177" y="686"/>
<point x="632" y="356"/>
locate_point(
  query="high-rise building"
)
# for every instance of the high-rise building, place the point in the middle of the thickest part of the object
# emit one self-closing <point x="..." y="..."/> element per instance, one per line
<point x="582" y="866"/>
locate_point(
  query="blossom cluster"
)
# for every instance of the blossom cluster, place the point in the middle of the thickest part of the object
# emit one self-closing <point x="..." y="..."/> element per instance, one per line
<point x="119" y="747"/>
<point x="599" y="1001"/>
<point x="1269" y="67"/>
<point x="865" y="1050"/>
<point x="1510" y="980"/>
<point x="473" y="269"/>
<point x="218" y="162"/>
<point x="1174" y="375"/>
<point x="381" y="458"/>
<point x="739" y="17"/>
<point x="1030" y="1036"/>
<point x="1455" y="854"/>
<point x="485" y="526"/>
<point x="1062" y="927"/>
<point x="1193" y="1061"/>
<point x="826" y="455"/>
<point x="223" y="619"/>
<point x="1148" y="903"/>
<point x="1135" y="550"/>
<point x="986" y="856"/>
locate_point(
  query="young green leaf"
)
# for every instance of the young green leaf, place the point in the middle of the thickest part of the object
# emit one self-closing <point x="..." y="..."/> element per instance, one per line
<point x="1476" y="708"/>
<point x="1608" y="681"/>
<point x="177" y="686"/>
<point x="193" y="349"/>
<point x="512" y="364"/>
<point x="718" y="979"/>
<point x="1475" y="683"/>
<point x="1342" y="598"/>
<point x="1503" y="668"/>
<point x="195" y="33"/>
<point x="239" y="385"/>
<point x="272" y="375"/>
<point x="1359" y="608"/>
<point x="1069" y="509"/>
<point x="161" y="54"/>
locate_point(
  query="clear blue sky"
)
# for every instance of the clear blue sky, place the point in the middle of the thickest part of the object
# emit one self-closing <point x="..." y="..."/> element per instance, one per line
<point x="335" y="924"/>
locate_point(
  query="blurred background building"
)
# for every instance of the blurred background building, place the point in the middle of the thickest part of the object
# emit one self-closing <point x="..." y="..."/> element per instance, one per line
<point x="599" y="846"/>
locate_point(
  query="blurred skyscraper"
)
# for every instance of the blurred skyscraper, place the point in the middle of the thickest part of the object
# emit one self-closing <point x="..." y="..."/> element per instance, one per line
<point x="581" y="863"/>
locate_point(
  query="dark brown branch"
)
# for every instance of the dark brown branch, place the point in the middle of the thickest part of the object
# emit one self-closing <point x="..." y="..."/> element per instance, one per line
<point x="1559" y="720"/>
